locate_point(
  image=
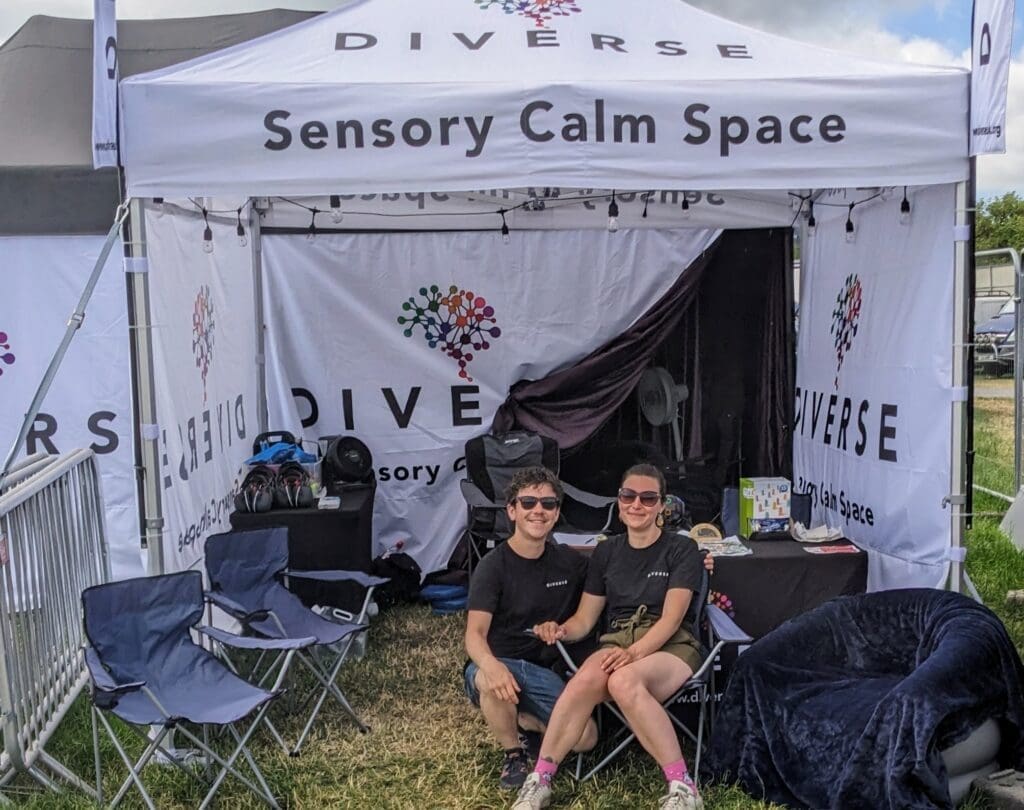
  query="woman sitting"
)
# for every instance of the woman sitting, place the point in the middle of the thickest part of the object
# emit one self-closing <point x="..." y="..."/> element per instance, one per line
<point x="643" y="581"/>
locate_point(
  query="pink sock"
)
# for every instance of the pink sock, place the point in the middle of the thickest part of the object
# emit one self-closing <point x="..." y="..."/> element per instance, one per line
<point x="677" y="772"/>
<point x="547" y="769"/>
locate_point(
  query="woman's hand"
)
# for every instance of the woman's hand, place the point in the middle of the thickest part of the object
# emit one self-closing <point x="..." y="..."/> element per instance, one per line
<point x="709" y="563"/>
<point x="619" y="657"/>
<point x="549" y="632"/>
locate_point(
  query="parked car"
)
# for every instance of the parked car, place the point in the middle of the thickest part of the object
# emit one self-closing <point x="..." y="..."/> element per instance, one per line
<point x="988" y="304"/>
<point x="994" y="342"/>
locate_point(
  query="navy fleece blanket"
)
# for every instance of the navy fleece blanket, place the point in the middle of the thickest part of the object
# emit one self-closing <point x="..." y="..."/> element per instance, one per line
<point x="848" y="705"/>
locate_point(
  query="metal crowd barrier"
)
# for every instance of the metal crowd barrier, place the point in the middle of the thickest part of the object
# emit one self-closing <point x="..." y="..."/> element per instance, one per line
<point x="52" y="546"/>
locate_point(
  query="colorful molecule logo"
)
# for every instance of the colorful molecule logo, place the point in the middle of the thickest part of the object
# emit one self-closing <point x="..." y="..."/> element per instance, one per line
<point x="723" y="603"/>
<point x="541" y="11"/>
<point x="7" y="358"/>
<point x="844" y="319"/>
<point x="202" y="333"/>
<point x="458" y="323"/>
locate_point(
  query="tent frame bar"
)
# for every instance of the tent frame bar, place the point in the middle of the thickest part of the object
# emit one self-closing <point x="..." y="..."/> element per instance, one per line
<point x="146" y="429"/>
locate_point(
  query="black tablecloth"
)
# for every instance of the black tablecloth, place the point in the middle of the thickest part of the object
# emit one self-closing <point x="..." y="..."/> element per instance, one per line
<point x="324" y="539"/>
<point x="781" y="579"/>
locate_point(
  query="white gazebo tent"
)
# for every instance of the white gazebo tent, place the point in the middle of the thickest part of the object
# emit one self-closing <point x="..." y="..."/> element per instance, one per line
<point x="388" y="108"/>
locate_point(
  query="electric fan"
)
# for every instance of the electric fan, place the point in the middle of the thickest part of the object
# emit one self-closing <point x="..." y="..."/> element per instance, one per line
<point x="660" y="398"/>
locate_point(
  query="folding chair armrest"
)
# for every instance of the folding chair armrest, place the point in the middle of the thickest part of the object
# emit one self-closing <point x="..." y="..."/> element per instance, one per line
<point x="359" y="577"/>
<point x="475" y="497"/>
<point x="233" y="608"/>
<point x="588" y="498"/>
<point x="724" y="628"/>
<point x="101" y="677"/>
<point x="252" y="643"/>
<point x="562" y="651"/>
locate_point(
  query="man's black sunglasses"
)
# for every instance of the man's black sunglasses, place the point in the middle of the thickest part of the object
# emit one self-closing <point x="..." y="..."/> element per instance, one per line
<point x="528" y="502"/>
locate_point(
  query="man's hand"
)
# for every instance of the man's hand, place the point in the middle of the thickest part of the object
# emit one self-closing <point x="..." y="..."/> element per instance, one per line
<point x="549" y="632"/>
<point x="619" y="657"/>
<point x="709" y="563"/>
<point x="499" y="681"/>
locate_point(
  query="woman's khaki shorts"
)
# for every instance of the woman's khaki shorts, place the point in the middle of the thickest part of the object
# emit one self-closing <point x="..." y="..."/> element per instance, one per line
<point x="682" y="644"/>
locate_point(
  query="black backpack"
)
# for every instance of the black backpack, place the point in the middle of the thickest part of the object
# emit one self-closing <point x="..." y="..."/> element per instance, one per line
<point x="403" y="573"/>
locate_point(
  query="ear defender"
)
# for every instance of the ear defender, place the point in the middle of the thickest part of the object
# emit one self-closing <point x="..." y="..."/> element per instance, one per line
<point x="257" y="491"/>
<point x="292" y="489"/>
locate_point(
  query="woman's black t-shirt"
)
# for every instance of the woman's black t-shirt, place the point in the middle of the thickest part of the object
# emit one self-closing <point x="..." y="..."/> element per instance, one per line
<point x="629" y="577"/>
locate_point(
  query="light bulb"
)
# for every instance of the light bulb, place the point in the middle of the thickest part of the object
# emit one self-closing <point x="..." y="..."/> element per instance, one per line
<point x="685" y="208"/>
<point x="851" y="234"/>
<point x="905" y="210"/>
<point x="613" y="215"/>
<point x="208" y="240"/>
<point x="240" y="231"/>
<point x="505" y="237"/>
<point x="337" y="215"/>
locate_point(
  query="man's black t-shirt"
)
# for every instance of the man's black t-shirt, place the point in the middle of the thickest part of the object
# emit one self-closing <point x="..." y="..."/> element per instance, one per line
<point x="520" y="593"/>
<point x="629" y="577"/>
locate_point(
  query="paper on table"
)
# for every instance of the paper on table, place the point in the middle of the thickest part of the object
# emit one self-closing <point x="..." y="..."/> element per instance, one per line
<point x="845" y="548"/>
<point x="571" y="539"/>
<point x="730" y="546"/>
<point x="819" y="534"/>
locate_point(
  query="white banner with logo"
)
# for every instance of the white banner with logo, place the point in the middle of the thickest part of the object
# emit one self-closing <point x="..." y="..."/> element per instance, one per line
<point x="872" y="432"/>
<point x="204" y="355"/>
<point x="411" y="341"/>
<point x="991" y="41"/>
<point x="89" y="402"/>
<point x="454" y="95"/>
<point x="104" y="83"/>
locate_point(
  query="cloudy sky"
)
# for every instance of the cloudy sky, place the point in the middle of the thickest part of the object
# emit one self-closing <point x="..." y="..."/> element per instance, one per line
<point x="929" y="31"/>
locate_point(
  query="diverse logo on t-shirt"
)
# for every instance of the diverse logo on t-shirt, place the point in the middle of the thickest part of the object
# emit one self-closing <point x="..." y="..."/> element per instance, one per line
<point x="558" y="583"/>
<point x="657" y="574"/>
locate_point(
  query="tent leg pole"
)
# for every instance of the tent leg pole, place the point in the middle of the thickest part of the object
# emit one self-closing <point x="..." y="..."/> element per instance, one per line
<point x="146" y="428"/>
<point x="257" y="282"/>
<point x="963" y="273"/>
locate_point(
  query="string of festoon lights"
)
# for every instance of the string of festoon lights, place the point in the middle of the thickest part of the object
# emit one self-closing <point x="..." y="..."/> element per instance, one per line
<point x="801" y="203"/>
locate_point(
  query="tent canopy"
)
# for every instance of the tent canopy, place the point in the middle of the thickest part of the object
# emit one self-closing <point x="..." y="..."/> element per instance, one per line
<point x="46" y="96"/>
<point x="385" y="95"/>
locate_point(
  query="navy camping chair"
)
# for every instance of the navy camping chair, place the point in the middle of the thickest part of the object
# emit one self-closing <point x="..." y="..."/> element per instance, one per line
<point x="146" y="670"/>
<point x="715" y="630"/>
<point x="247" y="572"/>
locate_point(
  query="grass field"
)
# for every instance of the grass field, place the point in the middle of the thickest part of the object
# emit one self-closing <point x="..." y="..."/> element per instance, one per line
<point x="428" y="747"/>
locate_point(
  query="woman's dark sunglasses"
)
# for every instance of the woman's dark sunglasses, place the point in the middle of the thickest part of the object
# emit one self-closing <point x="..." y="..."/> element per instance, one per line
<point x="648" y="498"/>
<point x="530" y="501"/>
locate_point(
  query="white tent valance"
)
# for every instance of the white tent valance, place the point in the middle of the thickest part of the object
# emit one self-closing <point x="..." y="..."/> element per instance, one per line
<point x="391" y="96"/>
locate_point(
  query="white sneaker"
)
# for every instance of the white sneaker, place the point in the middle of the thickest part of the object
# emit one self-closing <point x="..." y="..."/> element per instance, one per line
<point x="535" y="794"/>
<point x="680" y="796"/>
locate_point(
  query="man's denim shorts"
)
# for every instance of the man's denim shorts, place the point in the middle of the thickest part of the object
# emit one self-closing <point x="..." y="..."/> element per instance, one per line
<point x="539" y="687"/>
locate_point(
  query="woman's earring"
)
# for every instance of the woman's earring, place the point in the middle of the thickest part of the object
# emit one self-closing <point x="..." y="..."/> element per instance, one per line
<point x="659" y="521"/>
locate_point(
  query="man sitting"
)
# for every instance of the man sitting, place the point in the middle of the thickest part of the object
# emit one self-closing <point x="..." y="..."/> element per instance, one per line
<point x="523" y="582"/>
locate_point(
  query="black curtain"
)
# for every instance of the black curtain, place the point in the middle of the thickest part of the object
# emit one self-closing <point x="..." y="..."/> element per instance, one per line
<point x="570" y="405"/>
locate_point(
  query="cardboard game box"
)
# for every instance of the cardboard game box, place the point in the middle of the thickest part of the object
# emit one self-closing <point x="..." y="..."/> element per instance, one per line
<point x="764" y="505"/>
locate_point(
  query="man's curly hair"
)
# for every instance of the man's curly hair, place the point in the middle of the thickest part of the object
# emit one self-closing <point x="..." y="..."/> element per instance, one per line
<point x="532" y="477"/>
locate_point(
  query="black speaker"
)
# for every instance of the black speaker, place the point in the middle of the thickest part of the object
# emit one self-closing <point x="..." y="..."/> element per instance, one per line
<point x="730" y="511"/>
<point x="347" y="461"/>
<point x="800" y="508"/>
